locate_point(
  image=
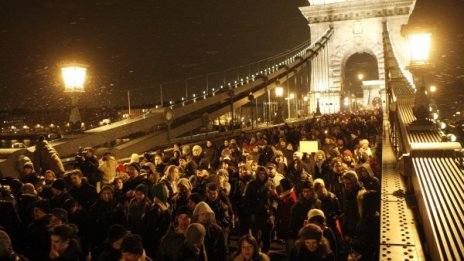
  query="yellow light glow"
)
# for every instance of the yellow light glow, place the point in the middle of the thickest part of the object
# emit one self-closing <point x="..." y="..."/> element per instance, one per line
<point x="291" y="96"/>
<point x="360" y="76"/>
<point x="318" y="95"/>
<point x="419" y="45"/>
<point x="74" y="78"/>
<point x="279" y="91"/>
<point x="433" y="88"/>
<point x="305" y="98"/>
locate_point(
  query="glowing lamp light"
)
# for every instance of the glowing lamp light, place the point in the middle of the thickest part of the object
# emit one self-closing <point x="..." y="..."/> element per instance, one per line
<point x="305" y="98"/>
<point x="442" y="125"/>
<point x="318" y="95"/>
<point x="279" y="91"/>
<point x="435" y="116"/>
<point x="433" y="88"/>
<point x="360" y="76"/>
<point x="419" y="45"/>
<point x="74" y="78"/>
<point x="291" y="96"/>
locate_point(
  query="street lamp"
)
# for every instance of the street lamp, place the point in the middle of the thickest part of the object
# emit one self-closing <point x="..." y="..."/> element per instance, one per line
<point x="74" y="78"/>
<point x="360" y="76"/>
<point x="318" y="107"/>
<point x="279" y="92"/>
<point x="419" y="43"/>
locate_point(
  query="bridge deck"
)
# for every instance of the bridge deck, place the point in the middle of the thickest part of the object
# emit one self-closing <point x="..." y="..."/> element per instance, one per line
<point x="399" y="239"/>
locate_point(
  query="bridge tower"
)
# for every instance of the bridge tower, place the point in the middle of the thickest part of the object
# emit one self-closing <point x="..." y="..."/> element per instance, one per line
<point x="358" y="27"/>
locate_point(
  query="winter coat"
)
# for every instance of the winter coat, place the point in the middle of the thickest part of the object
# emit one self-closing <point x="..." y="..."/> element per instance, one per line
<point x="72" y="253"/>
<point x="215" y="244"/>
<point x="86" y="194"/>
<point x="108" y="169"/>
<point x="299" y="213"/>
<point x="286" y="202"/>
<point x="171" y="245"/>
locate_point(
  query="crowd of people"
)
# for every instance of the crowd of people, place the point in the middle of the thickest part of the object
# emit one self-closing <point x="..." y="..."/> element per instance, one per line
<point x="187" y="204"/>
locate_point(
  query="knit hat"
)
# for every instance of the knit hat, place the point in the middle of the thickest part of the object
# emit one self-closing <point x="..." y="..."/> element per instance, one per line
<point x="135" y="165"/>
<point x="28" y="189"/>
<point x="318" y="181"/>
<point x="271" y="165"/>
<point x="107" y="187"/>
<point x="351" y="175"/>
<point x="195" y="234"/>
<point x="347" y="153"/>
<point x="43" y="205"/>
<point x="59" y="184"/>
<point x="116" y="232"/>
<point x="310" y="231"/>
<point x="142" y="188"/>
<point x="132" y="243"/>
<point x="286" y="184"/>
<point x="183" y="210"/>
<point x="61" y="214"/>
<point x="185" y="183"/>
<point x="134" y="158"/>
<point x="5" y="243"/>
<point x="297" y="155"/>
<point x="159" y="192"/>
<point x="28" y="164"/>
<point x="315" y="213"/>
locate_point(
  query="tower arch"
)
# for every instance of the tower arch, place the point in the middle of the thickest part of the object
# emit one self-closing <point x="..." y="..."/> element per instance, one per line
<point x="358" y="28"/>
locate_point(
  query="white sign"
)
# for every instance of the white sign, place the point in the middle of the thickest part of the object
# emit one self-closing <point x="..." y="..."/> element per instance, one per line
<point x="308" y="146"/>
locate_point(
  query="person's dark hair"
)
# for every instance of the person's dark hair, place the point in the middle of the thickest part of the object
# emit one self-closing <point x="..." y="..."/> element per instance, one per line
<point x="252" y="241"/>
<point x="65" y="231"/>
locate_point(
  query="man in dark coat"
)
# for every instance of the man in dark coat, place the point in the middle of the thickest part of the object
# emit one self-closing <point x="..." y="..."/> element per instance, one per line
<point x="172" y="241"/>
<point x="307" y="200"/>
<point x="59" y="193"/>
<point x="81" y="190"/>
<point x="87" y="162"/>
<point x="258" y="200"/>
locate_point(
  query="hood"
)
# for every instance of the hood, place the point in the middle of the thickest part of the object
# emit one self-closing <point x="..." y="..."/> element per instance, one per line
<point x="203" y="207"/>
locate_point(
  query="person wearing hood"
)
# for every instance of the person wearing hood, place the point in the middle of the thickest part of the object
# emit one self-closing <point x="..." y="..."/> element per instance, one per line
<point x="193" y="248"/>
<point x="258" y="204"/>
<point x="171" y="242"/>
<point x="329" y="205"/>
<point x="28" y="174"/>
<point x="350" y="202"/>
<point x="367" y="178"/>
<point x="113" y="241"/>
<point x="215" y="241"/>
<point x="64" y="245"/>
<point x="307" y="200"/>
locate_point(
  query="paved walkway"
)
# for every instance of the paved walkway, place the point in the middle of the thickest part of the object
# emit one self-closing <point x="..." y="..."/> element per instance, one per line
<point x="399" y="239"/>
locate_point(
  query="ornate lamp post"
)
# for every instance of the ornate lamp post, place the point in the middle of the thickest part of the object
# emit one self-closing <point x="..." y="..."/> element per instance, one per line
<point x="419" y="43"/>
<point x="318" y="107"/>
<point x="74" y="78"/>
<point x="279" y="92"/>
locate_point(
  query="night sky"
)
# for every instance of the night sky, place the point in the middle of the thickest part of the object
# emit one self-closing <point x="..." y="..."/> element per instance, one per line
<point x="139" y="44"/>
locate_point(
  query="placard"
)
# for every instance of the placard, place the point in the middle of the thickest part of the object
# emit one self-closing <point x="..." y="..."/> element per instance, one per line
<point x="308" y="146"/>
